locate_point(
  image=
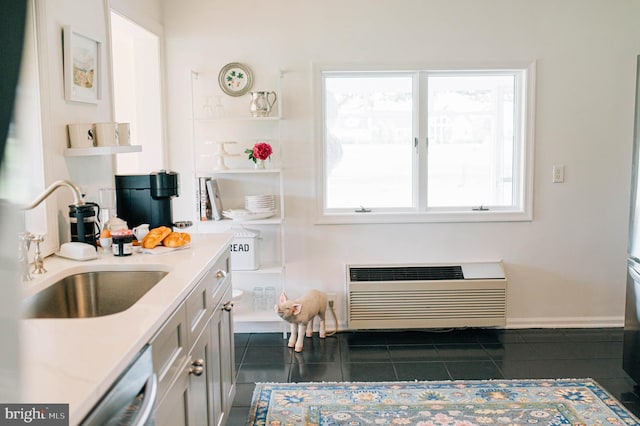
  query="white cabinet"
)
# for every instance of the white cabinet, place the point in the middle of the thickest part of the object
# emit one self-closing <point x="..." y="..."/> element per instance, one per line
<point x="191" y="353"/>
<point x="221" y="119"/>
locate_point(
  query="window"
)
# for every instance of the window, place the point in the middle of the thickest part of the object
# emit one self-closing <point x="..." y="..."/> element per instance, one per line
<point x="428" y="145"/>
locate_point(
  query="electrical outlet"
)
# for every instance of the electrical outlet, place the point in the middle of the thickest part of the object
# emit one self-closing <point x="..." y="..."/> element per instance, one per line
<point x="331" y="299"/>
<point x="558" y="173"/>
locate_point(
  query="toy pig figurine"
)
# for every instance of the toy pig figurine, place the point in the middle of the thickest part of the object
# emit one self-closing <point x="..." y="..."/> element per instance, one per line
<point x="300" y="314"/>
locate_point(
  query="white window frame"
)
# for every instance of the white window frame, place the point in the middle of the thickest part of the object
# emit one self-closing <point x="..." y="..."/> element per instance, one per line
<point x="421" y="214"/>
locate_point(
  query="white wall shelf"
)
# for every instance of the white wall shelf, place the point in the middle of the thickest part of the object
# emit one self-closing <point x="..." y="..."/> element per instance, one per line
<point x="218" y="119"/>
<point x="267" y="268"/>
<point x="261" y="316"/>
<point x="101" y="150"/>
<point x="213" y="226"/>
<point x="242" y="171"/>
<point x="239" y="118"/>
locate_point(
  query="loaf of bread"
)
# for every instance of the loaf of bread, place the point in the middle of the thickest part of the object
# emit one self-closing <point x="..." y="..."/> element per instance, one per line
<point x="155" y="236"/>
<point x="176" y="239"/>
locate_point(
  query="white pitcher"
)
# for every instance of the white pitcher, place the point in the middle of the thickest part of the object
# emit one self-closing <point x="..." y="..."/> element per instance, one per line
<point x="260" y="105"/>
<point x="141" y="231"/>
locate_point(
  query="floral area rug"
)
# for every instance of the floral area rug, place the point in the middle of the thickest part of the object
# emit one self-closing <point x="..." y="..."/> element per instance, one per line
<point x="453" y="403"/>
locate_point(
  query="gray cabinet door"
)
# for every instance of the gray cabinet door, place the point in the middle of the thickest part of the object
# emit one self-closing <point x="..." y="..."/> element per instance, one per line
<point x="227" y="356"/>
<point x="173" y="409"/>
<point x="203" y="364"/>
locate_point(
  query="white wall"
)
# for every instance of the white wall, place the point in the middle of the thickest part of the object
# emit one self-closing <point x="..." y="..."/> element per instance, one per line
<point x="90" y="18"/>
<point x="89" y="173"/>
<point x="138" y="98"/>
<point x="146" y="13"/>
<point x="137" y="94"/>
<point x="567" y="266"/>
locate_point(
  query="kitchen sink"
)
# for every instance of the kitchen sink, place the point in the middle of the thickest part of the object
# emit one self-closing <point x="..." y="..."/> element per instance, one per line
<point x="91" y="294"/>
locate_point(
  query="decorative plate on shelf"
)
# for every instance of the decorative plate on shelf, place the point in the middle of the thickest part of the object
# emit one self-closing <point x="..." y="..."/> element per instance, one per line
<point x="235" y="79"/>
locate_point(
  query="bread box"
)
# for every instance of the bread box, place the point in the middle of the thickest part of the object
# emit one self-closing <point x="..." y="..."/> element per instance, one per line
<point x="245" y="250"/>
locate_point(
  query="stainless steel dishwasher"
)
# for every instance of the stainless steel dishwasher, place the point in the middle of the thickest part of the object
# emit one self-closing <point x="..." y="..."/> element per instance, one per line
<point x="131" y="399"/>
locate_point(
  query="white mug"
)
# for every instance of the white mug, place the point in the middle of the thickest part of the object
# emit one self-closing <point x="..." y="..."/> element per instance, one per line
<point x="81" y="135"/>
<point x="106" y="134"/>
<point x="124" y="134"/>
<point x="141" y="231"/>
<point x="105" y="242"/>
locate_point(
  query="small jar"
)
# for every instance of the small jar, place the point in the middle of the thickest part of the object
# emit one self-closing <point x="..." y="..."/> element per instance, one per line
<point x="122" y="243"/>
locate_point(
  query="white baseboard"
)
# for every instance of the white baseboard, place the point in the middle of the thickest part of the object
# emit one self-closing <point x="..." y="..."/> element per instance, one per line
<point x="512" y="323"/>
<point x="566" y="322"/>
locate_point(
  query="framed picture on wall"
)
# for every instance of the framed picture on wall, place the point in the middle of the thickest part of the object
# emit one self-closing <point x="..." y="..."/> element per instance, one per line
<point x="82" y="60"/>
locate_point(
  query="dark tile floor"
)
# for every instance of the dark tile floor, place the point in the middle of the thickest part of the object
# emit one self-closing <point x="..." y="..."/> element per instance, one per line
<point x="434" y="355"/>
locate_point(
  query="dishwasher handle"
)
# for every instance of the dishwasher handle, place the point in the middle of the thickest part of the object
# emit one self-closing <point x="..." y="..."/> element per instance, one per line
<point x="145" y="413"/>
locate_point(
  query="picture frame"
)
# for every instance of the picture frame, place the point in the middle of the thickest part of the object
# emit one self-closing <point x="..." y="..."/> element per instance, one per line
<point x="235" y="79"/>
<point x="82" y="62"/>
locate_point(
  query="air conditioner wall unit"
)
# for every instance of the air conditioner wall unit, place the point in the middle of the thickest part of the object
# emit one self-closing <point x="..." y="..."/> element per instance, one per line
<point x="426" y="295"/>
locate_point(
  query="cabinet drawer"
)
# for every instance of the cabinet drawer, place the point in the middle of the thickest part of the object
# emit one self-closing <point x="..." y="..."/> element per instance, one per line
<point x="169" y="349"/>
<point x="220" y="279"/>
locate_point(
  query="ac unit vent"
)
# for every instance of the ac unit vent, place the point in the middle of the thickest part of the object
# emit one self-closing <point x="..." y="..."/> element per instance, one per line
<point x="406" y="273"/>
<point x="426" y="296"/>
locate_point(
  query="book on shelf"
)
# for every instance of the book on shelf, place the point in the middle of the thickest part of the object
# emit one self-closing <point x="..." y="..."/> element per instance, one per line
<point x="214" y="199"/>
<point x="203" y="205"/>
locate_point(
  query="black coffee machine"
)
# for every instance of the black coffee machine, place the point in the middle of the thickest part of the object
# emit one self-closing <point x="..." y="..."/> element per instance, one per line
<point x="146" y="198"/>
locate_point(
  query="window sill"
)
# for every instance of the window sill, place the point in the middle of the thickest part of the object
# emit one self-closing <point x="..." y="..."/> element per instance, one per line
<point x="430" y="217"/>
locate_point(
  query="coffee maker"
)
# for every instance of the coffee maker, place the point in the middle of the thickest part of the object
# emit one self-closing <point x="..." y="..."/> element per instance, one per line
<point x="85" y="222"/>
<point x="146" y="198"/>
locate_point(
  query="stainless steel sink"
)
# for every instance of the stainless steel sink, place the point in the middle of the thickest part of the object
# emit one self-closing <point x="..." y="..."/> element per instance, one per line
<point x="91" y="294"/>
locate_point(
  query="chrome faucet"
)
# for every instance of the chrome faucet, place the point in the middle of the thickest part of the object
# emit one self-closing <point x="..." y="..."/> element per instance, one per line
<point x="24" y="243"/>
<point x="77" y="194"/>
<point x="27" y="237"/>
<point x="38" y="260"/>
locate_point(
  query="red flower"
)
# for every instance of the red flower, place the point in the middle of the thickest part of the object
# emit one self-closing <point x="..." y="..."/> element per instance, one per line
<point x="262" y="150"/>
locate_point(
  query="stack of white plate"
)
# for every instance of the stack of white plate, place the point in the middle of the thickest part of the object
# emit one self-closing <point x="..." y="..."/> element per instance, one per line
<point x="242" y="215"/>
<point x="260" y="203"/>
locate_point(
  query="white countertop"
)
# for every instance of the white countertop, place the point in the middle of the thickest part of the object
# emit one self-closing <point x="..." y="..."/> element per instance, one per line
<point x="76" y="360"/>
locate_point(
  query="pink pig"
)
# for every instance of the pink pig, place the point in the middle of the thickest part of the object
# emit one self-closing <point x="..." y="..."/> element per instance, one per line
<point x="300" y="314"/>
